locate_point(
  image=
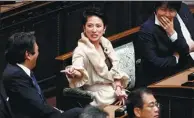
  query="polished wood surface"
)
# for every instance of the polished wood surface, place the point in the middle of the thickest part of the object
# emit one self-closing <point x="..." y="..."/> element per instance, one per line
<point x="124" y="34"/>
<point x="31" y="8"/>
<point x="177" y="101"/>
<point x="6" y="8"/>
<point x="174" y="81"/>
<point x="110" y="109"/>
<point x="64" y="56"/>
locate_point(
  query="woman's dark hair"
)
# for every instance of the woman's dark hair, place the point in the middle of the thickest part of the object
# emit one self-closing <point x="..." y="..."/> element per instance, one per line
<point x="170" y="4"/>
<point x="135" y="99"/>
<point x="94" y="11"/>
<point x="17" y="45"/>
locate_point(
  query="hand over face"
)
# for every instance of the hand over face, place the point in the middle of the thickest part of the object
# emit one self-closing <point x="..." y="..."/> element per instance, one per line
<point x="167" y="24"/>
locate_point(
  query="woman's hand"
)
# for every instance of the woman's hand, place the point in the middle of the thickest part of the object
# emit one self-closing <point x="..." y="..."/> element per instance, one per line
<point x="121" y="95"/>
<point x="71" y="72"/>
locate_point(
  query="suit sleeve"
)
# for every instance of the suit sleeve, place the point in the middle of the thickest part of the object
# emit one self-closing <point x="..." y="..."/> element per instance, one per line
<point x="24" y="98"/>
<point x="149" y="51"/>
<point x="78" y="64"/>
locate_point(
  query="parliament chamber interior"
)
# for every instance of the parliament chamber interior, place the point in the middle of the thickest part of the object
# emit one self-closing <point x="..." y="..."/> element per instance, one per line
<point x="58" y="26"/>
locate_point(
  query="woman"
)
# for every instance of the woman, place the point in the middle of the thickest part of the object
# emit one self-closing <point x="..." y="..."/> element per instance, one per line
<point x="94" y="63"/>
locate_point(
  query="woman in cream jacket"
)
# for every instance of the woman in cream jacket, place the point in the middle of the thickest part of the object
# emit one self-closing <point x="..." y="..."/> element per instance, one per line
<point x="94" y="63"/>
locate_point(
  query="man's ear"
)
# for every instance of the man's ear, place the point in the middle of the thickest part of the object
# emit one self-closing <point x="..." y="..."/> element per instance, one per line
<point x="27" y="55"/>
<point x="137" y="112"/>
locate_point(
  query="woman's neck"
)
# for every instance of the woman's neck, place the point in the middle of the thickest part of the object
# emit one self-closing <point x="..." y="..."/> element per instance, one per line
<point x="96" y="44"/>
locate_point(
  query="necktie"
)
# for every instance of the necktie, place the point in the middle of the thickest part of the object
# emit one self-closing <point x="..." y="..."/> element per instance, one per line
<point x="36" y="85"/>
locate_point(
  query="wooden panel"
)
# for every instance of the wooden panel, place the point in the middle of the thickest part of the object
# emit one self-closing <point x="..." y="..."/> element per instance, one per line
<point x="5" y="8"/>
<point x="174" y="81"/>
<point x="176" y="100"/>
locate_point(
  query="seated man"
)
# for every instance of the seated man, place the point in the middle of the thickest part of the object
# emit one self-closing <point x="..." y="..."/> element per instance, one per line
<point x="26" y="97"/>
<point x="166" y="41"/>
<point x="142" y="104"/>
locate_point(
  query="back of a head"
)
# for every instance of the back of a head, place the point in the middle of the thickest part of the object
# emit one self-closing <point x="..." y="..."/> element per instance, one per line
<point x="93" y="112"/>
<point x="135" y="100"/>
<point x="170" y="4"/>
<point x="17" y="45"/>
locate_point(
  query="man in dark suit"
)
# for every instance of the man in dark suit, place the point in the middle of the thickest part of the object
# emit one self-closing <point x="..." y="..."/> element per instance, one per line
<point x="166" y="41"/>
<point x="26" y="98"/>
<point x="5" y="110"/>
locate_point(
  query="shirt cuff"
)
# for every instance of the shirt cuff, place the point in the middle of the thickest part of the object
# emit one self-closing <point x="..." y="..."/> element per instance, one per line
<point x="174" y="37"/>
<point x="177" y="60"/>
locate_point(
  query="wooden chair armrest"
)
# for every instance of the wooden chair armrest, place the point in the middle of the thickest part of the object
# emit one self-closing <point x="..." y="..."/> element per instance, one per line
<point x="64" y="56"/>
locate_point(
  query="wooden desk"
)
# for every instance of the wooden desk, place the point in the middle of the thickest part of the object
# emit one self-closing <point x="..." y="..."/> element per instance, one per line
<point x="177" y="101"/>
<point x="174" y="81"/>
<point x="110" y="109"/>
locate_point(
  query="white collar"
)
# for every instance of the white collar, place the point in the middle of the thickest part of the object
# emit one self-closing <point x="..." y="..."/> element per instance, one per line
<point x="157" y="21"/>
<point x="26" y="70"/>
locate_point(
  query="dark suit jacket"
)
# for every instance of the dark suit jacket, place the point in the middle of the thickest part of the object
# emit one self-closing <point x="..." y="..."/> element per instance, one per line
<point x="24" y="98"/>
<point x="157" y="49"/>
<point x="5" y="110"/>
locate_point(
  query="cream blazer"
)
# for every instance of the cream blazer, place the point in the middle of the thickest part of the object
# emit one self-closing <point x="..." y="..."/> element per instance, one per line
<point x="95" y="72"/>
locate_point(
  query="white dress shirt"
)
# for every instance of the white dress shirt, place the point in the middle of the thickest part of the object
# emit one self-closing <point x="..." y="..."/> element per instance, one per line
<point x="26" y="70"/>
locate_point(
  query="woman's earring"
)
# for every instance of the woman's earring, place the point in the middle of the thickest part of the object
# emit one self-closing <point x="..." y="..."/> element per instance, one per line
<point x="85" y="32"/>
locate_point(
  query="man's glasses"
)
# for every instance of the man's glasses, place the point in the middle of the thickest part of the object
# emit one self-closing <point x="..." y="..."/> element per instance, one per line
<point x="153" y="104"/>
